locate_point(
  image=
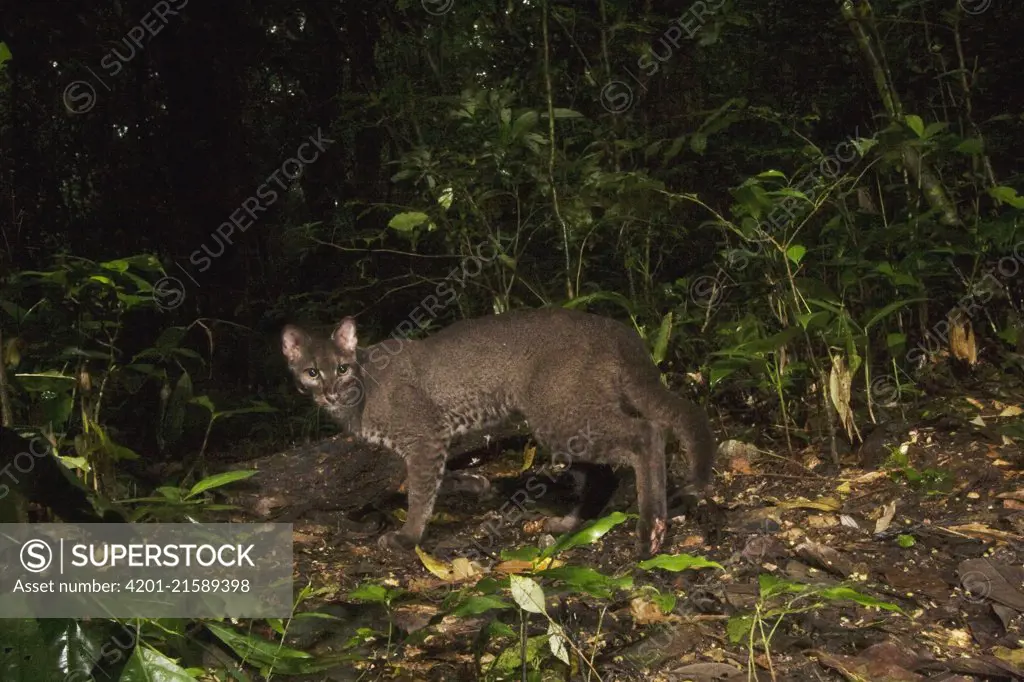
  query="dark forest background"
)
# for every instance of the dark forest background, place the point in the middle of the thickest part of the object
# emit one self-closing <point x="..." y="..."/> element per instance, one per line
<point x="808" y="209"/>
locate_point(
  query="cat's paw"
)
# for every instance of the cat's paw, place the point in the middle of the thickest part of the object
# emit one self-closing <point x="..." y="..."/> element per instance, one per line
<point x="395" y="541"/>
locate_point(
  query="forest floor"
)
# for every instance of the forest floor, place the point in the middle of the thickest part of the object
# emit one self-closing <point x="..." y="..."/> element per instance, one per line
<point x="905" y="563"/>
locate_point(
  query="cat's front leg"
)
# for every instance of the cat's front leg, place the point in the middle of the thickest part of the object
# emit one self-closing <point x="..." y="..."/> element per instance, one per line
<point x="424" y="464"/>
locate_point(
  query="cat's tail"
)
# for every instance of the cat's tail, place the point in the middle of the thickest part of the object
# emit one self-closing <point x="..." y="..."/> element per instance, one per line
<point x="688" y="422"/>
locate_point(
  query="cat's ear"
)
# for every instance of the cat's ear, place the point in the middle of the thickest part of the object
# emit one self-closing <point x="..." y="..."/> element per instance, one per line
<point x="344" y="336"/>
<point x="293" y="340"/>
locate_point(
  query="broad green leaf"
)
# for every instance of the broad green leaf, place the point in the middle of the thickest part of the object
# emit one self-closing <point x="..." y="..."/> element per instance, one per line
<point x="218" y="480"/>
<point x="679" y="562"/>
<point x="372" y="593"/>
<point x="915" y="123"/>
<point x="738" y="628"/>
<point x="172" y="420"/>
<point x="813" y="320"/>
<point x="661" y="342"/>
<point x="850" y="594"/>
<point x="934" y="128"/>
<point x="566" y="113"/>
<point x="889" y="309"/>
<point x="520" y="554"/>
<point x="524" y="123"/>
<point x="794" y="193"/>
<point x="408" y="221"/>
<point x="527" y="593"/>
<point x="895" y="340"/>
<point x="765" y="175"/>
<point x="474" y="606"/>
<point x="770" y="585"/>
<point x="773" y="342"/>
<point x="971" y="145"/>
<point x="205" y="402"/>
<point x="272" y="654"/>
<point x="674" y="149"/>
<point x="119" y="265"/>
<point x="5" y="53"/>
<point x="588" y="535"/>
<point x="149" y="665"/>
<point x="586" y="579"/>
<point x="1007" y="195"/>
<point x="796" y="253"/>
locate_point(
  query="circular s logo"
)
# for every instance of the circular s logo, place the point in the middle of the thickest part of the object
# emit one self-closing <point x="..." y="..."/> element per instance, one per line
<point x="36" y="556"/>
<point x="79" y="97"/>
<point x="168" y="293"/>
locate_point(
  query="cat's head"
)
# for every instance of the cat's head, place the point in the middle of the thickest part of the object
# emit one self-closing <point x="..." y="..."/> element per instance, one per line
<point x="326" y="369"/>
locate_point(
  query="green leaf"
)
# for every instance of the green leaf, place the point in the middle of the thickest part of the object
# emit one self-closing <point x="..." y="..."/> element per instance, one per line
<point x="588" y="580"/>
<point x="5" y="53"/>
<point x="770" y="585"/>
<point x="149" y="665"/>
<point x="738" y="628"/>
<point x="588" y="535"/>
<point x="906" y="541"/>
<point x="119" y="265"/>
<point x="765" y="175"/>
<point x="849" y="594"/>
<point x="610" y="296"/>
<point x="666" y="602"/>
<point x="408" y="221"/>
<point x="889" y="309"/>
<point x="446" y="197"/>
<point x="527" y="593"/>
<point x="566" y="113"/>
<point x="172" y="420"/>
<point x="267" y="653"/>
<point x="527" y="553"/>
<point x="813" y="320"/>
<point x="895" y="340"/>
<point x="679" y="562"/>
<point x="661" y="342"/>
<point x="796" y="253"/>
<point x="971" y="145"/>
<point x="377" y="594"/>
<point x="1007" y="195"/>
<point x="935" y="128"/>
<point x="204" y="401"/>
<point x="673" y="149"/>
<point x="474" y="606"/>
<point x="794" y="193"/>
<point x="523" y="124"/>
<point x="698" y="142"/>
<point x="218" y="480"/>
<point x="915" y="123"/>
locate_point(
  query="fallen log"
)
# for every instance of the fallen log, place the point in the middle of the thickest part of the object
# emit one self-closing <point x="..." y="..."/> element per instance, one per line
<point x="342" y="474"/>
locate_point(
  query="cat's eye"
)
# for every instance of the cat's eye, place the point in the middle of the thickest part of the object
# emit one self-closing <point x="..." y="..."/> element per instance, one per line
<point x="342" y="369"/>
<point x="312" y="372"/>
